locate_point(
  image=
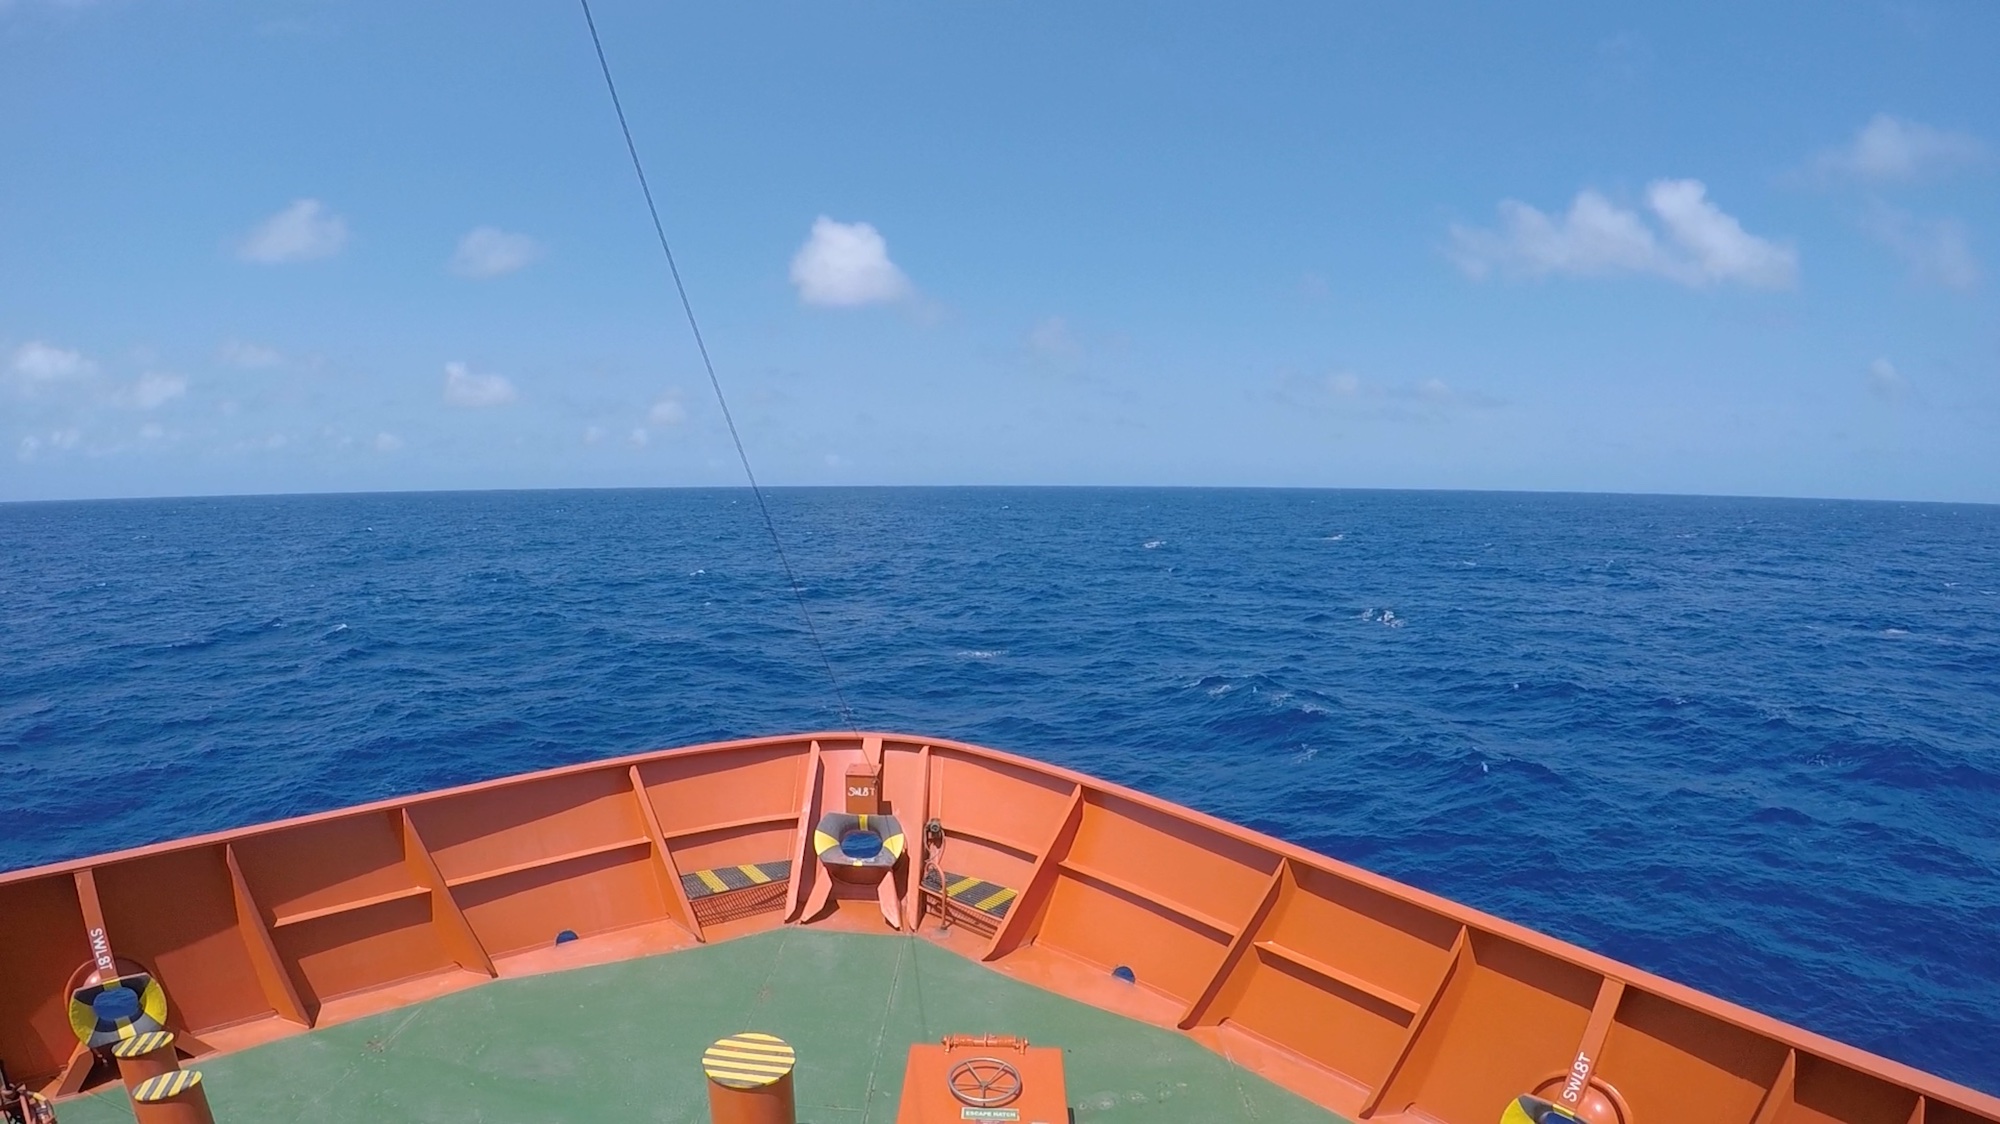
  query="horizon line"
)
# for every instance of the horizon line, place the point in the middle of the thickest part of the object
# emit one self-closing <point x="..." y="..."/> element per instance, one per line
<point x="745" y="487"/>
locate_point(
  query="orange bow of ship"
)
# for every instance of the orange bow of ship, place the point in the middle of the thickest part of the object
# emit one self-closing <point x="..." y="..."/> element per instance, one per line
<point x="865" y="927"/>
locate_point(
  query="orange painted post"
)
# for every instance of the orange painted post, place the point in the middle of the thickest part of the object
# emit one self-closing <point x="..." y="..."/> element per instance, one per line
<point x="144" y="1057"/>
<point x="172" y="1098"/>
<point x="749" y="1080"/>
<point x="864" y="790"/>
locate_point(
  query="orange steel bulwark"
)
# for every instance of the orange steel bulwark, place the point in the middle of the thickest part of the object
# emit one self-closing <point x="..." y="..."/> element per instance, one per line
<point x="1373" y="999"/>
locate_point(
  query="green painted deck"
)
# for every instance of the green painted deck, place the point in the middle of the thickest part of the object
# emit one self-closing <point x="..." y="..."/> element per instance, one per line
<point x="622" y="1042"/>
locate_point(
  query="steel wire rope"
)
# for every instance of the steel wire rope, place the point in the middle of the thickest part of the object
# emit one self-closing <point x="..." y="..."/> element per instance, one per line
<point x="701" y="345"/>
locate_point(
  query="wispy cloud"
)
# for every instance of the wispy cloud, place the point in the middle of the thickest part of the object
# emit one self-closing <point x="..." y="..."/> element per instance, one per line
<point x="668" y="411"/>
<point x="465" y="387"/>
<point x="60" y="440"/>
<point x="1052" y="339"/>
<point x="1346" y="391"/>
<point x="387" y="442"/>
<point x="1696" y="242"/>
<point x="846" y="265"/>
<point x="1938" y="251"/>
<point x="301" y="232"/>
<point x="250" y="356"/>
<point x="153" y="390"/>
<point x="36" y="362"/>
<point x="1889" y="149"/>
<point x="1886" y="382"/>
<point x="487" y="252"/>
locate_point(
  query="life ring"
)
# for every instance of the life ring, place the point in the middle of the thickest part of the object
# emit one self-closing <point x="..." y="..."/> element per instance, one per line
<point x="110" y="1011"/>
<point x="850" y="840"/>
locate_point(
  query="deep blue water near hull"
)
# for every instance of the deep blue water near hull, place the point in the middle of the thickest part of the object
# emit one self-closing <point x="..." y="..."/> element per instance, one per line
<point x="1747" y="744"/>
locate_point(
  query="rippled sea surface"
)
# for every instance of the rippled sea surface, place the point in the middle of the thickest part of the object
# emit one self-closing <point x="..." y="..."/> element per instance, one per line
<point x="1752" y="745"/>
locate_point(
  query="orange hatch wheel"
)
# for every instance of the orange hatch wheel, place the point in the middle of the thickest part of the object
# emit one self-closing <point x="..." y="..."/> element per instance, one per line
<point x="750" y="1079"/>
<point x="983" y="1077"/>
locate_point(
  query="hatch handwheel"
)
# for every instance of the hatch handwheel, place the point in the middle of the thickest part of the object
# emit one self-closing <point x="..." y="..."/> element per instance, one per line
<point x="984" y="1082"/>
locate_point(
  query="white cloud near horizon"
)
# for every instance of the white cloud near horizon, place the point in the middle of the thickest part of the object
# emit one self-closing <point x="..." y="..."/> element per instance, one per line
<point x="465" y="387"/>
<point x="1938" y="251"/>
<point x="1349" y="392"/>
<point x="846" y="265"/>
<point x="486" y="252"/>
<point x="304" y="231"/>
<point x="59" y="440"/>
<point x="39" y="362"/>
<point x="1696" y="243"/>
<point x="1889" y="149"/>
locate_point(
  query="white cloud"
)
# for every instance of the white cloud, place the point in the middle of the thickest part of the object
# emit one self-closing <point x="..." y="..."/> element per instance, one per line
<point x="1702" y="245"/>
<point x="1891" y="149"/>
<point x="152" y="431"/>
<point x="1052" y="339"/>
<point x="464" y="387"/>
<point x="301" y="232"/>
<point x="1886" y="382"/>
<point x="639" y="438"/>
<point x="1938" y="251"/>
<point x="667" y="411"/>
<point x="241" y="353"/>
<point x="1717" y="245"/>
<point x="153" y="390"/>
<point x="39" y="362"/>
<point x="844" y="265"/>
<point x="387" y="442"/>
<point x="592" y="434"/>
<point x="490" y="252"/>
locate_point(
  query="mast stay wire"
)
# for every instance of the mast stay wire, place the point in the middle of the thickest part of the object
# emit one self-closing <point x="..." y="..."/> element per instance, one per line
<point x="701" y="345"/>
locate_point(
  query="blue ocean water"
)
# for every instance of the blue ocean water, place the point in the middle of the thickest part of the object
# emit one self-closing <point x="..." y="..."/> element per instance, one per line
<point x="1752" y="745"/>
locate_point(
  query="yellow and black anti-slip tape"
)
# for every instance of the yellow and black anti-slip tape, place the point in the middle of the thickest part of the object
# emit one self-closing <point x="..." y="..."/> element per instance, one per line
<point x="989" y="898"/>
<point x="166" y="1085"/>
<point x="750" y="1060"/>
<point x="116" y="1009"/>
<point x="138" y="1046"/>
<point x="723" y="879"/>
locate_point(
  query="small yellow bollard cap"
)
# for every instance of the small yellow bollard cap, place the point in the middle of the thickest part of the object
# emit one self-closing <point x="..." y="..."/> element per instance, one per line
<point x="166" y="1085"/>
<point x="139" y="1045"/>
<point x="749" y="1060"/>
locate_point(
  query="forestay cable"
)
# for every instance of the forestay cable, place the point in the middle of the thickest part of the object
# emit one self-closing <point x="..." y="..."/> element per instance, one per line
<point x="798" y="595"/>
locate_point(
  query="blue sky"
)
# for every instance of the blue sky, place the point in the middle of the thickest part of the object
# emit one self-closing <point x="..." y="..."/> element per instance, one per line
<point x="299" y="246"/>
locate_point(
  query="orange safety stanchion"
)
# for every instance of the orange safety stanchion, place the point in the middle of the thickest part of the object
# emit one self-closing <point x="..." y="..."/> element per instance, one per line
<point x="750" y="1080"/>
<point x="145" y="1056"/>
